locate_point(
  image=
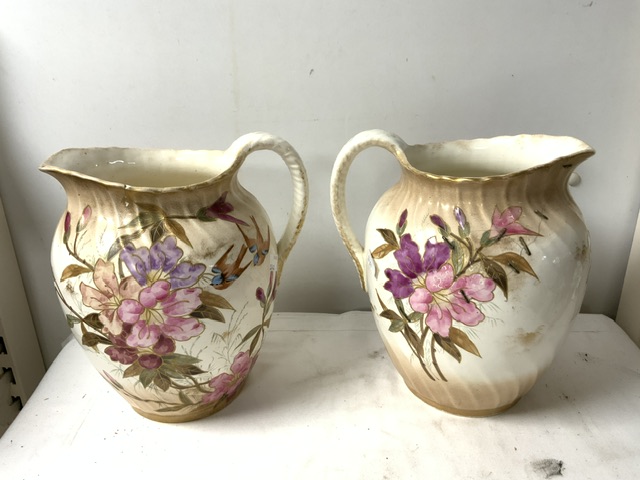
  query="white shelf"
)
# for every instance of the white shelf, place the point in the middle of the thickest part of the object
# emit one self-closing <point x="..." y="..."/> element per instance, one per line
<point x="324" y="401"/>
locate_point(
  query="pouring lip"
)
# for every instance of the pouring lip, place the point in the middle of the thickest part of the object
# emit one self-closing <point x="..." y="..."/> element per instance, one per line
<point x="50" y="167"/>
<point x="581" y="152"/>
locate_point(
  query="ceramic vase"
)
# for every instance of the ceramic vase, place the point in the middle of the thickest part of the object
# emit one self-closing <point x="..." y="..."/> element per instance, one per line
<point x="167" y="269"/>
<point x="475" y="262"/>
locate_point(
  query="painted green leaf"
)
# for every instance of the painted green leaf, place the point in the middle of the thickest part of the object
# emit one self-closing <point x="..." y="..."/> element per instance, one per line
<point x="188" y="370"/>
<point x="72" y="320"/>
<point x="162" y="382"/>
<point x="214" y="300"/>
<point x="93" y="320"/>
<point x="516" y="262"/>
<point x="448" y="346"/>
<point x="251" y="333"/>
<point x="90" y="339"/>
<point x="389" y="237"/>
<point x="208" y="312"/>
<point x="254" y="342"/>
<point x="73" y="271"/>
<point x="497" y="274"/>
<point x="203" y="217"/>
<point x="396" y="325"/>
<point x="132" y="370"/>
<point x="180" y="359"/>
<point x="414" y="340"/>
<point x="145" y="220"/>
<point x="178" y="230"/>
<point x="184" y="398"/>
<point x="462" y="340"/>
<point x="457" y="257"/>
<point x="384" y="307"/>
<point x="157" y="231"/>
<point x="383" y="250"/>
<point x="147" y="376"/>
<point x="391" y="315"/>
<point x="415" y="316"/>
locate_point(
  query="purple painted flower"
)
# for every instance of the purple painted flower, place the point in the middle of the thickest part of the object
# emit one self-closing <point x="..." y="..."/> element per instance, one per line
<point x="506" y="223"/>
<point x="460" y="217"/>
<point x="145" y="264"/>
<point x="413" y="266"/>
<point x="220" y="209"/>
<point x="402" y="222"/>
<point x="260" y="296"/>
<point x="227" y="384"/>
<point x="150" y="361"/>
<point x="438" y="221"/>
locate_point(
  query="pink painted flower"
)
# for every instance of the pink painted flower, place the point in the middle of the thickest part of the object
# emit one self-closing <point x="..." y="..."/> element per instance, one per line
<point x="506" y="223"/>
<point x="108" y="295"/>
<point x="160" y="312"/>
<point x="444" y="300"/>
<point x="84" y="219"/>
<point x="228" y="383"/>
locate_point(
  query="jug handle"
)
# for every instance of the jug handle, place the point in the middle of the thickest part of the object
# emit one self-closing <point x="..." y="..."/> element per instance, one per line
<point x="362" y="141"/>
<point x="255" y="141"/>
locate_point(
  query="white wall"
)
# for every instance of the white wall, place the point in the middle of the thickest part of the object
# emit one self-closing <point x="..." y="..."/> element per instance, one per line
<point x="197" y="74"/>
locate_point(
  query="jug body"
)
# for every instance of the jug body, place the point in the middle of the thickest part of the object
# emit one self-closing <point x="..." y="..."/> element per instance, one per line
<point x="167" y="270"/>
<point x="475" y="263"/>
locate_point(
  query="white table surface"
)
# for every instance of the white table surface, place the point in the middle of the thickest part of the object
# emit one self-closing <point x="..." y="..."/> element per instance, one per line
<point x="324" y="401"/>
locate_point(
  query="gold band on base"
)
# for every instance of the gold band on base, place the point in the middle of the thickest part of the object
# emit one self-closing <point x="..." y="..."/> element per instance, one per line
<point x="487" y="412"/>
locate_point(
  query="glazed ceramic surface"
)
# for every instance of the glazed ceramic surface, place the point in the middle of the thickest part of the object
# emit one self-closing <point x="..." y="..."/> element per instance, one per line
<point x="475" y="262"/>
<point x="167" y="269"/>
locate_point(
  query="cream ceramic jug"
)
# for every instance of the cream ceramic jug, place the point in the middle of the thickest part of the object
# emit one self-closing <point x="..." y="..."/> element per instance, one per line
<point x="167" y="268"/>
<point x="475" y="262"/>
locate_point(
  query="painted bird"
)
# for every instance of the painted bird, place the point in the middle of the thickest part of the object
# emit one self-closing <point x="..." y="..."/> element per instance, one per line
<point x="224" y="274"/>
<point x="258" y="246"/>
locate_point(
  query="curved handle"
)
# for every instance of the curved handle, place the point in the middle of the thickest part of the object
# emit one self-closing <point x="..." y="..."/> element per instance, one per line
<point x="252" y="142"/>
<point x="362" y="141"/>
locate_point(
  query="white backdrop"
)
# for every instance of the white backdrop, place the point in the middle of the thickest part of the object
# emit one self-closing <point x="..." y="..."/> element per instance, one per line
<point x="197" y="74"/>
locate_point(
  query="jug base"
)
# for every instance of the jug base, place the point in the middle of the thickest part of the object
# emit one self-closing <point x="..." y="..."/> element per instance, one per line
<point x="201" y="412"/>
<point x="486" y="412"/>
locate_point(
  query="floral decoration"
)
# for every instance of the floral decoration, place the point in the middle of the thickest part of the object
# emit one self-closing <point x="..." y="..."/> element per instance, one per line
<point x="439" y="292"/>
<point x="143" y="300"/>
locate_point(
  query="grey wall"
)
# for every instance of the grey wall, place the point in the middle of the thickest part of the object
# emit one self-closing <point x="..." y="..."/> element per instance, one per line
<point x="197" y="74"/>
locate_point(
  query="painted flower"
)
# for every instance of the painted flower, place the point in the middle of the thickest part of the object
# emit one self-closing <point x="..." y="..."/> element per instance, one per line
<point x="119" y="351"/>
<point x="402" y="221"/>
<point x="260" y="296"/>
<point x="162" y="260"/>
<point x="228" y="383"/>
<point x="438" y="221"/>
<point x="506" y="223"/>
<point x="160" y="312"/>
<point x="84" y="219"/>
<point x="460" y="217"/>
<point x="443" y="300"/>
<point x="412" y="265"/>
<point x="108" y="295"/>
<point x="220" y="209"/>
<point x="67" y="227"/>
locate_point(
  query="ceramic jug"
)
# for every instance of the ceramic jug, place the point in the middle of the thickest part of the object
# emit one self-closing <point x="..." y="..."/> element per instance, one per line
<point x="475" y="262"/>
<point x="167" y="269"/>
